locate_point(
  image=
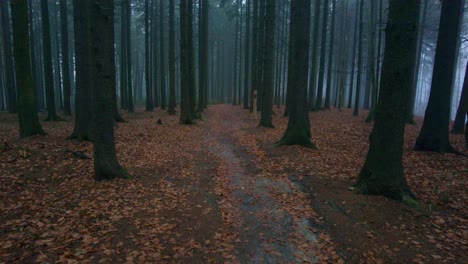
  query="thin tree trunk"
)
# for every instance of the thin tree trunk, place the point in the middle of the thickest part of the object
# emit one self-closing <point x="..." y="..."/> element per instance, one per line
<point x="65" y="61"/>
<point x="360" y="66"/>
<point x="8" y="53"/>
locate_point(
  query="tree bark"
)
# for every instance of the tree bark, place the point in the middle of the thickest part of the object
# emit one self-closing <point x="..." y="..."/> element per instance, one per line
<point x="462" y="111"/>
<point x="330" y="57"/>
<point x="28" y="120"/>
<point x="172" y="69"/>
<point x="8" y="53"/>
<point x="149" y="90"/>
<point x="434" y="135"/>
<point x="359" y="55"/>
<point x="383" y="173"/>
<point x="65" y="58"/>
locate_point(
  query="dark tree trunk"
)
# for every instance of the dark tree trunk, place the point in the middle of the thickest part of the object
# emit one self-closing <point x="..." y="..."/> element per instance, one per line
<point x="28" y="120"/>
<point x="321" y="80"/>
<point x="330" y="57"/>
<point x="267" y="89"/>
<point x="149" y="90"/>
<point x="434" y="135"/>
<point x="123" y="57"/>
<point x="106" y="165"/>
<point x="359" y="64"/>
<point x="298" y="130"/>
<point x="353" y="58"/>
<point x="83" y="102"/>
<point x="162" y="56"/>
<point x="315" y="53"/>
<point x="48" y="76"/>
<point x="462" y="111"/>
<point x="172" y="69"/>
<point x="382" y="173"/>
<point x="203" y="60"/>
<point x="128" y="51"/>
<point x="186" y="63"/>
<point x="255" y="51"/>
<point x="8" y="53"/>
<point x="247" y="56"/>
<point x="371" y="69"/>
<point x="65" y="61"/>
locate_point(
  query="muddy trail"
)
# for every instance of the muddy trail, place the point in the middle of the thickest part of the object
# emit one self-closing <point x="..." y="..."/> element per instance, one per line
<point x="266" y="231"/>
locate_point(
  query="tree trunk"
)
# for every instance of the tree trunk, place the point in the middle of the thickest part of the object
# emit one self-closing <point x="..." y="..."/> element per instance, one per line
<point x="128" y="50"/>
<point x="321" y="80"/>
<point x="28" y="121"/>
<point x="267" y="89"/>
<point x="162" y="56"/>
<point x="172" y="84"/>
<point x="360" y="66"/>
<point x="434" y="135"/>
<point x="330" y="57"/>
<point x="371" y="71"/>
<point x="383" y="173"/>
<point x="203" y="60"/>
<point x="48" y="76"/>
<point x="247" y="56"/>
<point x="106" y="165"/>
<point x="65" y="61"/>
<point x="458" y="125"/>
<point x="255" y="51"/>
<point x="83" y="101"/>
<point x="149" y="90"/>
<point x="353" y="59"/>
<point x="8" y="53"/>
<point x="298" y="130"/>
<point x="187" y="116"/>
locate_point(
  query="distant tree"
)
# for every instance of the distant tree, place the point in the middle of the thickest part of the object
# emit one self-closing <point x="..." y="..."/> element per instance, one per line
<point x="187" y="113"/>
<point x="127" y="6"/>
<point x="28" y="120"/>
<point x="83" y="102"/>
<point x="267" y="89"/>
<point x="149" y="90"/>
<point x="359" y="58"/>
<point x="172" y="68"/>
<point x="330" y="57"/>
<point x="65" y="59"/>
<point x="255" y="50"/>
<point x="298" y="130"/>
<point x="162" y="56"/>
<point x="106" y="165"/>
<point x="323" y="48"/>
<point x="353" y="56"/>
<point x="315" y="52"/>
<point x="383" y="173"/>
<point x="47" y="57"/>
<point x="245" y="101"/>
<point x="203" y="56"/>
<point x="462" y="111"/>
<point x="8" y="55"/>
<point x="434" y="135"/>
<point x="371" y="68"/>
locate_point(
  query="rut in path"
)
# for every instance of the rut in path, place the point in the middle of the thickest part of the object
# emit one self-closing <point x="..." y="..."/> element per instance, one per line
<point x="267" y="232"/>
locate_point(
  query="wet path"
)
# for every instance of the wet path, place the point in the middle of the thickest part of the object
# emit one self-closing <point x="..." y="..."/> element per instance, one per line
<point x="267" y="232"/>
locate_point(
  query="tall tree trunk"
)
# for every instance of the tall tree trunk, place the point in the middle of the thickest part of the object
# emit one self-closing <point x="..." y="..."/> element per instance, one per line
<point x="203" y="60"/>
<point x="315" y="52"/>
<point x="359" y="55"/>
<point x="186" y="63"/>
<point x="106" y="165"/>
<point x="172" y="79"/>
<point x="84" y="98"/>
<point x="321" y="80"/>
<point x="236" y="55"/>
<point x="128" y="51"/>
<point x="434" y="135"/>
<point x="47" y="51"/>
<point x="330" y="57"/>
<point x="298" y="130"/>
<point x="8" y="53"/>
<point x="383" y="173"/>
<point x="28" y="120"/>
<point x="267" y="89"/>
<point x="162" y="56"/>
<point x="65" y="58"/>
<point x="247" y="56"/>
<point x="353" y="59"/>
<point x="149" y="90"/>
<point x="123" y="58"/>
<point x="462" y="111"/>
<point x="371" y="70"/>
<point x="255" y="51"/>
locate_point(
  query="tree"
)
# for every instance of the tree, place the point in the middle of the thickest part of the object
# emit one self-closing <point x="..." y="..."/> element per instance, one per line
<point x="315" y="49"/>
<point x="371" y="69"/>
<point x="203" y="56"/>
<point x="65" y="58"/>
<point x="149" y="90"/>
<point x="267" y="89"/>
<point x="127" y="6"/>
<point x="330" y="57"/>
<point x="359" y="64"/>
<point x="8" y="53"/>
<point x="172" y="69"/>
<point x="106" y="165"/>
<point x="162" y="56"/>
<point x="28" y="120"/>
<point x="187" y="116"/>
<point x="47" y="57"/>
<point x="462" y="111"/>
<point x="353" y="57"/>
<point x="83" y="103"/>
<point x="245" y="101"/>
<point x="255" y="51"/>
<point x="434" y="134"/>
<point x="298" y="130"/>
<point x="382" y="173"/>
<point x="321" y="82"/>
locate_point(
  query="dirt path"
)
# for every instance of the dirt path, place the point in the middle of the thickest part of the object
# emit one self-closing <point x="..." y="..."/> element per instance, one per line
<point x="267" y="232"/>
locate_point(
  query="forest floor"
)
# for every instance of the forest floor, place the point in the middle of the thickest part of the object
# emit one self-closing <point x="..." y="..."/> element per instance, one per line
<point x="218" y="192"/>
